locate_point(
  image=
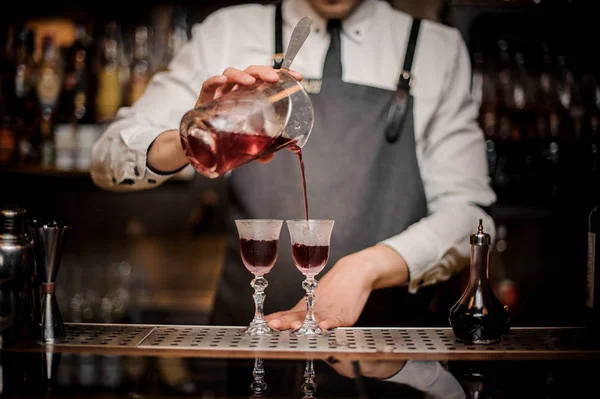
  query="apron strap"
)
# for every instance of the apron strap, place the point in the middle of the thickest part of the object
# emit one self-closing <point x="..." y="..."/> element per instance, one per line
<point x="402" y="101"/>
<point x="404" y="80"/>
<point x="278" y="56"/>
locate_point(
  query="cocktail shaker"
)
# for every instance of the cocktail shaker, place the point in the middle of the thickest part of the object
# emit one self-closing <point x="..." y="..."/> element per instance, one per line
<point x="17" y="295"/>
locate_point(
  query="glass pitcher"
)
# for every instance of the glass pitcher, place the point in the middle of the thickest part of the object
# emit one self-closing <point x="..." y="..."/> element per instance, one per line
<point x="246" y="124"/>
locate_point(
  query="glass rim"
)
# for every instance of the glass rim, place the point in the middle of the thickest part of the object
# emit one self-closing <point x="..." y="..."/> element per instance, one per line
<point x="320" y="221"/>
<point x="258" y="220"/>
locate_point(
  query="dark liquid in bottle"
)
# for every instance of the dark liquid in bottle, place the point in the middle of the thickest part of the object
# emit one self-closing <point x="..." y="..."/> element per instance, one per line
<point x="227" y="151"/>
<point x="310" y="258"/>
<point x="472" y="325"/>
<point x="259" y="255"/>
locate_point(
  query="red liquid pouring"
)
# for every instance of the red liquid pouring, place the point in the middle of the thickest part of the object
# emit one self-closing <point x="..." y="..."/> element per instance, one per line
<point x="230" y="150"/>
<point x="298" y="151"/>
<point x="259" y="255"/>
<point x="310" y="259"/>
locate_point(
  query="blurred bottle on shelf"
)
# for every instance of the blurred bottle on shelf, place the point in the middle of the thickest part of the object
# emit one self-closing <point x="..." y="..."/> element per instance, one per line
<point x="8" y="141"/>
<point x="484" y="94"/>
<point x="49" y="83"/>
<point x="61" y="83"/>
<point x="171" y="33"/>
<point x="8" y="138"/>
<point x="109" y="78"/>
<point x="507" y="134"/>
<point x="78" y="91"/>
<point x="539" y="115"/>
<point x="141" y="66"/>
<point x="77" y="100"/>
<point x="24" y="98"/>
<point x="178" y="34"/>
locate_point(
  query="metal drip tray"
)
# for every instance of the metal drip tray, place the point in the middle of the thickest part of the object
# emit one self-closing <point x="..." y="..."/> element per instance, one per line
<point x="104" y="335"/>
<point x="354" y="340"/>
<point x="384" y="343"/>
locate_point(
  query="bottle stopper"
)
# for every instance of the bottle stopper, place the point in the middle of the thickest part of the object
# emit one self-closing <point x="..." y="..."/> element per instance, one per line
<point x="480" y="238"/>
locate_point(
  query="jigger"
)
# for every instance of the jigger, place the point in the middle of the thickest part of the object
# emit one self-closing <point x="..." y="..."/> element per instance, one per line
<point x="49" y="244"/>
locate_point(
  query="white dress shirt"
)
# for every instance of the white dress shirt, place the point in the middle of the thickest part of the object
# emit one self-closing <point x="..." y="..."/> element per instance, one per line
<point x="449" y="143"/>
<point x="431" y="378"/>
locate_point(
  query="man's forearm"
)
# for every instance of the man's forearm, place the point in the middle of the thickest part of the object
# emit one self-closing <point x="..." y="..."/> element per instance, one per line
<point x="384" y="265"/>
<point x="166" y="153"/>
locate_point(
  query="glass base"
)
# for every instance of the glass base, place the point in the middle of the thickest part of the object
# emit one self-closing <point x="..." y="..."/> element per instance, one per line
<point x="308" y="329"/>
<point x="259" y="330"/>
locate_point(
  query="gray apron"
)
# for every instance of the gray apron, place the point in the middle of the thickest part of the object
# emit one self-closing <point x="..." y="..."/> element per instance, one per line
<point x="359" y="173"/>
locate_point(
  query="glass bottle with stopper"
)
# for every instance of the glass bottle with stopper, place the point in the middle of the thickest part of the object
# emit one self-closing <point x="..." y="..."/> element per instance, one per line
<point x="478" y="317"/>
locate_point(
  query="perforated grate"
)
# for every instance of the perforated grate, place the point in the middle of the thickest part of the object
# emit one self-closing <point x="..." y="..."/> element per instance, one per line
<point x="104" y="335"/>
<point x="358" y="340"/>
<point x="423" y="343"/>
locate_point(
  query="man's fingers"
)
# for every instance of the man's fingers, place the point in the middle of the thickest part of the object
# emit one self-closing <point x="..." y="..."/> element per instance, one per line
<point x="275" y="315"/>
<point x="295" y="74"/>
<point x="226" y="88"/>
<point x="240" y="77"/>
<point x="213" y="83"/>
<point x="289" y="320"/>
<point x="268" y="74"/>
<point x="209" y="87"/>
<point x="332" y="322"/>
<point x="264" y="73"/>
<point x="218" y="85"/>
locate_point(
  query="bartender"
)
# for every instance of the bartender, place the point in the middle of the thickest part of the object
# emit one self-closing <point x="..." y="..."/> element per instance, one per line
<point x="396" y="157"/>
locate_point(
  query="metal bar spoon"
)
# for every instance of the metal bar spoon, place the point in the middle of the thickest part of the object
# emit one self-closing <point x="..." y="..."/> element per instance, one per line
<point x="299" y="35"/>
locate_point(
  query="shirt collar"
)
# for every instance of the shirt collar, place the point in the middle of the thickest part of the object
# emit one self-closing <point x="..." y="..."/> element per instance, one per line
<point x="355" y="26"/>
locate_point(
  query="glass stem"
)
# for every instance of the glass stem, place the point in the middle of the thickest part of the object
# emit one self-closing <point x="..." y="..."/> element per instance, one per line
<point x="259" y="283"/>
<point x="309" y="387"/>
<point x="310" y="285"/>
<point x="259" y="385"/>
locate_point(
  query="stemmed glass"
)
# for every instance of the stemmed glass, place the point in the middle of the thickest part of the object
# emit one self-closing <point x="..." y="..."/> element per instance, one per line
<point x="309" y="387"/>
<point x="259" y="244"/>
<point x="258" y="386"/>
<point x="310" y="251"/>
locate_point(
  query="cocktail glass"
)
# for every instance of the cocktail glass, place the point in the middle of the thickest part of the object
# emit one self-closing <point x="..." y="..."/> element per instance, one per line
<point x="310" y="251"/>
<point x="259" y="244"/>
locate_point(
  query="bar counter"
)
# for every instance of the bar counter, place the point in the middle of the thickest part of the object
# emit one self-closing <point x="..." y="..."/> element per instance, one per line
<point x="130" y="360"/>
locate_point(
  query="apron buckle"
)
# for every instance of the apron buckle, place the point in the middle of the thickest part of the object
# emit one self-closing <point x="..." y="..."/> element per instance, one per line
<point x="277" y="60"/>
<point x="405" y="80"/>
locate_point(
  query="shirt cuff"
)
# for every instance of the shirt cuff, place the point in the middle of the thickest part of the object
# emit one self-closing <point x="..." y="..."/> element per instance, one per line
<point x="429" y="377"/>
<point x="418" y="247"/>
<point x="135" y="169"/>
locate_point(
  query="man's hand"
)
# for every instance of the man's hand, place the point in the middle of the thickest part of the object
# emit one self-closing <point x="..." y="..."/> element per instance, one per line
<point x="231" y="79"/>
<point x="343" y="291"/>
<point x="339" y="298"/>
